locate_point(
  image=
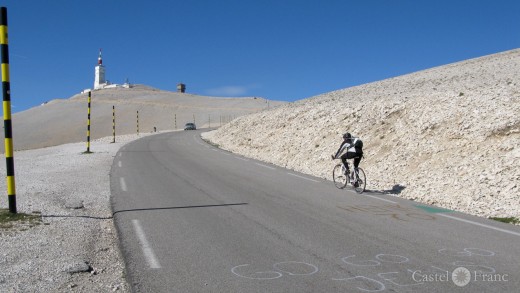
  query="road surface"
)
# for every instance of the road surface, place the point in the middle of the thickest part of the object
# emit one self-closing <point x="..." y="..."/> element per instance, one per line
<point x="194" y="218"/>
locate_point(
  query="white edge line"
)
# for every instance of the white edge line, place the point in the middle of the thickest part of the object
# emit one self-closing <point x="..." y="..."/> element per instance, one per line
<point x="119" y="164"/>
<point x="265" y="166"/>
<point x="379" y="198"/>
<point x="292" y="174"/>
<point x="479" y="224"/>
<point x="122" y="182"/>
<point x="147" y="249"/>
<point x="243" y="159"/>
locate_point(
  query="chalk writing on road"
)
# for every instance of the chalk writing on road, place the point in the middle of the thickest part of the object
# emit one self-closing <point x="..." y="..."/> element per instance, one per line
<point x="396" y="212"/>
<point x="292" y="268"/>
<point x="376" y="273"/>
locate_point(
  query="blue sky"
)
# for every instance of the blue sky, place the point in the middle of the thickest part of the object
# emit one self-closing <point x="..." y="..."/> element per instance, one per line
<point x="277" y="49"/>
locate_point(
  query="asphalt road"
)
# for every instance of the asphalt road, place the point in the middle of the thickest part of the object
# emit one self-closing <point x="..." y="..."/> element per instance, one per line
<point x="194" y="218"/>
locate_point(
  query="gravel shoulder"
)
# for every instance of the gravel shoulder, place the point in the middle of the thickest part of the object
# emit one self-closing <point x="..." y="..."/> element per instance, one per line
<point x="75" y="247"/>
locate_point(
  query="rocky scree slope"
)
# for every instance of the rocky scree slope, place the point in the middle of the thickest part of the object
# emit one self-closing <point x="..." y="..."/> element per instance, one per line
<point x="447" y="136"/>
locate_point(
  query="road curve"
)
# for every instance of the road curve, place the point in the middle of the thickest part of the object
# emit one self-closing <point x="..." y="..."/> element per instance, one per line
<point x="194" y="218"/>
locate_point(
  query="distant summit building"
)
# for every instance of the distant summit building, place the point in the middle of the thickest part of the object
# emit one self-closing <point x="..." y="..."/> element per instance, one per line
<point x="181" y="88"/>
<point x="100" y="82"/>
<point x="99" y="79"/>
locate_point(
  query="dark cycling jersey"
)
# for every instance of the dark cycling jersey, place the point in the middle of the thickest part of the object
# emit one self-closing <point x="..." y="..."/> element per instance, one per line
<point x="352" y="145"/>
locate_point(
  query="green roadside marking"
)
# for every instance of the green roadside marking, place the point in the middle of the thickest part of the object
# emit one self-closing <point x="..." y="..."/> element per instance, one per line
<point x="433" y="210"/>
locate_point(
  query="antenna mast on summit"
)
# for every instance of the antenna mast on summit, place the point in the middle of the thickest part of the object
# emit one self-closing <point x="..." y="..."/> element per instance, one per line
<point x="100" y="60"/>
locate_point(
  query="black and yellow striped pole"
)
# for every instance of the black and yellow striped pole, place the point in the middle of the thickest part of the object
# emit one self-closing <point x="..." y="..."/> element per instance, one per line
<point x="6" y="91"/>
<point x="88" y="123"/>
<point x="138" y="122"/>
<point x="114" y="124"/>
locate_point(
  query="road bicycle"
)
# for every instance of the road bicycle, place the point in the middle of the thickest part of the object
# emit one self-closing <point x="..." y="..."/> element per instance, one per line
<point x="356" y="178"/>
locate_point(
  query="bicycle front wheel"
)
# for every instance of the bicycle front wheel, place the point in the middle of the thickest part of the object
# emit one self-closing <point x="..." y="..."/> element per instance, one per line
<point x="340" y="179"/>
<point x="361" y="182"/>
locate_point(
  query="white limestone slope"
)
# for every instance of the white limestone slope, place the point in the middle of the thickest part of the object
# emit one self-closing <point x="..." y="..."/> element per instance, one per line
<point x="449" y="135"/>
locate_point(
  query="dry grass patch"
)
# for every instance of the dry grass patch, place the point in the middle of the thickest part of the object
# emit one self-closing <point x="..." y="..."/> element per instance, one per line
<point x="18" y="221"/>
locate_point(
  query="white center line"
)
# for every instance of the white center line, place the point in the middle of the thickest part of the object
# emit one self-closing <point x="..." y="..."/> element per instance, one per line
<point x="265" y="166"/>
<point x="479" y="224"/>
<point x="122" y="182"/>
<point x="147" y="249"/>
<point x="302" y="177"/>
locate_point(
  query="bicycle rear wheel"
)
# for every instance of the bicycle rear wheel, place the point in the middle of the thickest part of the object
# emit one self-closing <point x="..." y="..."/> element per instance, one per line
<point x="361" y="182"/>
<point x="340" y="179"/>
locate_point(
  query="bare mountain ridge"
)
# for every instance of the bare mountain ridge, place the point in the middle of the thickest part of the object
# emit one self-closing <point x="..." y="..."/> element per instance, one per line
<point x="65" y="120"/>
<point x="449" y="135"/>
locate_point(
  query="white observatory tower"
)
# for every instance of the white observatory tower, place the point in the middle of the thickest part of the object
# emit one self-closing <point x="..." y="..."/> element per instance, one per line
<point x="99" y="80"/>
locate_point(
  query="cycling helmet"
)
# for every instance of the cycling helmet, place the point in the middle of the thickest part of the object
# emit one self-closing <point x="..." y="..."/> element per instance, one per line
<point x="347" y="135"/>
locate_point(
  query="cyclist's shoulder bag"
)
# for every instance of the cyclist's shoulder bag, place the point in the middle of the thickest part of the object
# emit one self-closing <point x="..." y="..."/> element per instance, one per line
<point x="358" y="143"/>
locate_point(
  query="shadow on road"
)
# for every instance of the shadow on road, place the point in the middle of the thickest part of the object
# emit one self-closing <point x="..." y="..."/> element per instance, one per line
<point x="175" y="208"/>
<point x="77" y="216"/>
<point x="396" y="189"/>
<point x="143" y="209"/>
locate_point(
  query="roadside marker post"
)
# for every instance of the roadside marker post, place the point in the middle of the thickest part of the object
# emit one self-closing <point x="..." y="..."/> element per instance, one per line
<point x="8" y="130"/>
<point x="175" y="118"/>
<point x="138" y="122"/>
<point x="88" y="123"/>
<point x="114" y="124"/>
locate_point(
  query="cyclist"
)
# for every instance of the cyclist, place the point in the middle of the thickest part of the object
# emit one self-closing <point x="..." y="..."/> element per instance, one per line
<point x="354" y="147"/>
